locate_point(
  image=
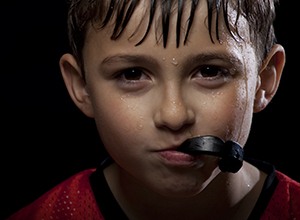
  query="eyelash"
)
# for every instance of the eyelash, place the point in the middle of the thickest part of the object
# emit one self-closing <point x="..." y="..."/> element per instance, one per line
<point x="213" y="72"/>
<point x="205" y="75"/>
<point x="132" y="72"/>
<point x="132" y="77"/>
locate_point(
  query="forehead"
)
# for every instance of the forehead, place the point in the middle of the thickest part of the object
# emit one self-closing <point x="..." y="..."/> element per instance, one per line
<point x="198" y="37"/>
<point x="166" y="18"/>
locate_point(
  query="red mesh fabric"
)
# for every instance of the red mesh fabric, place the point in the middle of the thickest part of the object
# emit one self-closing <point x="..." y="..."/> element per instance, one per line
<point x="285" y="202"/>
<point x="72" y="199"/>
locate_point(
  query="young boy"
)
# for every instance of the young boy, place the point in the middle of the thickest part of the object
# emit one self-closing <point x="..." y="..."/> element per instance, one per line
<point x="172" y="86"/>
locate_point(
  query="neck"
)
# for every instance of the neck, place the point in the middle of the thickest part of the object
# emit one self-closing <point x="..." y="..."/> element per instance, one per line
<point x="232" y="195"/>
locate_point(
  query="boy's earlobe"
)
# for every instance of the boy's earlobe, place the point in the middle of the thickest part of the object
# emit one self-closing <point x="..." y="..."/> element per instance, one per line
<point x="75" y="84"/>
<point x="269" y="77"/>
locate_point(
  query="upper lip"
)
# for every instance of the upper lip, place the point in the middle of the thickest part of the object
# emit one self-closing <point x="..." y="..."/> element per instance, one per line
<point x="171" y="142"/>
<point x="172" y="147"/>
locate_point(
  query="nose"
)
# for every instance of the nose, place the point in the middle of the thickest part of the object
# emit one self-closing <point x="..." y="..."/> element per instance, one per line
<point x="174" y="112"/>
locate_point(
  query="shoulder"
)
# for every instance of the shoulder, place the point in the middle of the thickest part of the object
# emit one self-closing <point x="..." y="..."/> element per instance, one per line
<point x="285" y="201"/>
<point x="71" y="199"/>
<point x="287" y="189"/>
<point x="292" y="185"/>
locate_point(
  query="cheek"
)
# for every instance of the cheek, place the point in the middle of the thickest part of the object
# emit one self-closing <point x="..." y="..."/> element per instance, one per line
<point x="227" y="113"/>
<point x="120" y="124"/>
<point x="239" y="115"/>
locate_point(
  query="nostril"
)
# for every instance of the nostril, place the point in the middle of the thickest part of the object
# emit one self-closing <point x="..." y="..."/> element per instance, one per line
<point x="174" y="116"/>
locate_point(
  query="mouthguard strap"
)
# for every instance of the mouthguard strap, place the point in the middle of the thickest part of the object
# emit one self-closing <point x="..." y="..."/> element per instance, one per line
<point x="230" y="152"/>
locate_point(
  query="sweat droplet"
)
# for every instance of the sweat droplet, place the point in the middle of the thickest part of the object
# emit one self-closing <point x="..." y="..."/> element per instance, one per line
<point x="174" y="61"/>
<point x="140" y="127"/>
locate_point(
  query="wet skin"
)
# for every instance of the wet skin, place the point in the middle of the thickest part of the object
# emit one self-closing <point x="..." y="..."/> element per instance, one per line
<point x="147" y="100"/>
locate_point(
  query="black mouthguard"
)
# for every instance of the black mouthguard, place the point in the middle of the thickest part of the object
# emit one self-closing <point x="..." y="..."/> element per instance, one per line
<point x="230" y="152"/>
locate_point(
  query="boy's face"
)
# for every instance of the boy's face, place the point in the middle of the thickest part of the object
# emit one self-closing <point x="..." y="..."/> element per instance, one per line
<point x="148" y="99"/>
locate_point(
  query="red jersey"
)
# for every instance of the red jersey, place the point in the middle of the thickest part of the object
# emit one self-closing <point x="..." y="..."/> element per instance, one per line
<point x="74" y="199"/>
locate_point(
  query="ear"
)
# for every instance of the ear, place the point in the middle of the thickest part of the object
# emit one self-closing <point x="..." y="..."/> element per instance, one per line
<point x="75" y="83"/>
<point x="269" y="77"/>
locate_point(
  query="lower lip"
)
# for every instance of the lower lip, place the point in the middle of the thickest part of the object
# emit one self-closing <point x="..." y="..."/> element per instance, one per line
<point x="177" y="158"/>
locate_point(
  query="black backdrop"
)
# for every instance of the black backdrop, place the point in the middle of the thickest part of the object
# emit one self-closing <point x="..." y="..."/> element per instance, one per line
<point x="44" y="137"/>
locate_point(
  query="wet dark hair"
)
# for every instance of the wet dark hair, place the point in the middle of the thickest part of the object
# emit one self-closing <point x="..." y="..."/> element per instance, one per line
<point x="260" y="15"/>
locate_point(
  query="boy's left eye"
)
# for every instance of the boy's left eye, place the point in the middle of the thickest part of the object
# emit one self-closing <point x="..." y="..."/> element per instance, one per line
<point x="213" y="72"/>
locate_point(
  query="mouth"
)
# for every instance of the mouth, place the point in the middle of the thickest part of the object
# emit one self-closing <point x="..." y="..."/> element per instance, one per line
<point x="230" y="152"/>
<point x="178" y="158"/>
<point x="202" y="145"/>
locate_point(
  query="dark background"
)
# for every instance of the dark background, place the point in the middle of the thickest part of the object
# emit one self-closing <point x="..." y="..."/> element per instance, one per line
<point x="44" y="138"/>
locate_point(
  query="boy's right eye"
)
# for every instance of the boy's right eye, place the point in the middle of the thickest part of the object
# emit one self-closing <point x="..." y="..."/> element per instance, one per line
<point x="131" y="74"/>
<point x="133" y="78"/>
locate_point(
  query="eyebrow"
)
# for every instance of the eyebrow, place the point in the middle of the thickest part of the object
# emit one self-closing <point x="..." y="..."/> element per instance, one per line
<point x="129" y="58"/>
<point x="198" y="58"/>
<point x="229" y="58"/>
